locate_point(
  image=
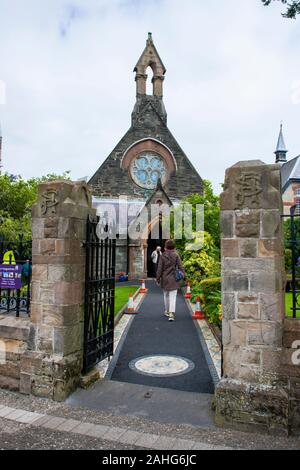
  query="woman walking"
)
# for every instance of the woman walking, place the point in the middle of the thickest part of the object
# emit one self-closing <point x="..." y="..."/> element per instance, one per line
<point x="169" y="272"/>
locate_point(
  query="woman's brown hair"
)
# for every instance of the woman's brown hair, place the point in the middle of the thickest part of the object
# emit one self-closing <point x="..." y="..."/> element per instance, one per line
<point x="170" y="245"/>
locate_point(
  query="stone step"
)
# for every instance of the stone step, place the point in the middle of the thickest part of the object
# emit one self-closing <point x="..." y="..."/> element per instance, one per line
<point x="14" y="328"/>
<point x="11" y="349"/>
<point x="9" y="383"/>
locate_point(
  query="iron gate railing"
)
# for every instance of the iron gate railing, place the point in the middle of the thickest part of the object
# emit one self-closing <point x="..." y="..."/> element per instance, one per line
<point x="293" y="243"/>
<point x="15" y="265"/>
<point x="99" y="296"/>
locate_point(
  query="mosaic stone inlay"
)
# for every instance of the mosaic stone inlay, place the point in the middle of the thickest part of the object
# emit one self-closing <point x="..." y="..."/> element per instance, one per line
<point x="161" y="365"/>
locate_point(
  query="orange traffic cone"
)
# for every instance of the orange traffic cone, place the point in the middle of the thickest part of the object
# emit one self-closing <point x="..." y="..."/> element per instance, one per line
<point x="198" y="314"/>
<point x="143" y="289"/>
<point x="130" y="307"/>
<point x="188" y="291"/>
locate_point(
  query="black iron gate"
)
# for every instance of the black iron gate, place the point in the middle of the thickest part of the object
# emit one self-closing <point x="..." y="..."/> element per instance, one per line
<point x="292" y="245"/>
<point x="99" y="296"/>
<point x="15" y="261"/>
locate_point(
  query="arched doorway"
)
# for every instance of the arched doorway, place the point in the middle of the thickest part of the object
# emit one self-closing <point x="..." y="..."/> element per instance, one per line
<point x="153" y="242"/>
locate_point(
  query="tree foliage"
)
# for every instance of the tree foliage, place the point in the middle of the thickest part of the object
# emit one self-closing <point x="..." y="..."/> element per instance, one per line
<point x="16" y="198"/>
<point x="293" y="7"/>
<point x="211" y="204"/>
<point x="203" y="263"/>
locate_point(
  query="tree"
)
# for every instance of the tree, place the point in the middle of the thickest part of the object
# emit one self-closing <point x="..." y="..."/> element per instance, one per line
<point x="211" y="204"/>
<point x="16" y="198"/>
<point x="293" y="8"/>
<point x="201" y="262"/>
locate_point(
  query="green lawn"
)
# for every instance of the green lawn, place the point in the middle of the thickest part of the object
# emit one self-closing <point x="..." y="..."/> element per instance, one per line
<point x="289" y="304"/>
<point x="122" y="295"/>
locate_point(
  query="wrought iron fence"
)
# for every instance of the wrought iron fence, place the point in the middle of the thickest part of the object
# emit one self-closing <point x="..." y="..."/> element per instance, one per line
<point x="292" y="242"/>
<point x="15" y="276"/>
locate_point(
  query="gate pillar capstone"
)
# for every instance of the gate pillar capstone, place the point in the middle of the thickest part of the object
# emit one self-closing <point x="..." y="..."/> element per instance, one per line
<point x="52" y="365"/>
<point x="252" y="393"/>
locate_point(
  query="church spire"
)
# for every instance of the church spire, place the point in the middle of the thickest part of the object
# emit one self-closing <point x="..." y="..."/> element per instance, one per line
<point x="281" y="149"/>
<point x="150" y="58"/>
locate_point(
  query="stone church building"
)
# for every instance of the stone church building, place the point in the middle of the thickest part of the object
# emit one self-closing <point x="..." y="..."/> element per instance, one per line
<point x="290" y="176"/>
<point x="146" y="167"/>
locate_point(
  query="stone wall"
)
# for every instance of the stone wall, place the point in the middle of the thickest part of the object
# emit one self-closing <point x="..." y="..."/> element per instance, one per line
<point x="14" y="335"/>
<point x="42" y="355"/>
<point x="121" y="256"/>
<point x="254" y="391"/>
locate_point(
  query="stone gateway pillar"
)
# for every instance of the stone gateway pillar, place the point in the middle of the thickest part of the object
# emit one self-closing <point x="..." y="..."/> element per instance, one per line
<point x="252" y="394"/>
<point x="52" y="365"/>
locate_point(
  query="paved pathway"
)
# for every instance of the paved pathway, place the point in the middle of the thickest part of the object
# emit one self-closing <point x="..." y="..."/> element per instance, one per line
<point x="153" y="403"/>
<point x="109" y="434"/>
<point x="152" y="334"/>
<point x="20" y="429"/>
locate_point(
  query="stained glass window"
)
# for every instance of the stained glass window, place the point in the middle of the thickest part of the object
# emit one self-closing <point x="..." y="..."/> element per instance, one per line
<point x="147" y="168"/>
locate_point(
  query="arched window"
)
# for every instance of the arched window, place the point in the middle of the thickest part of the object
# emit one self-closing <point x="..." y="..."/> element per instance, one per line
<point x="149" y="84"/>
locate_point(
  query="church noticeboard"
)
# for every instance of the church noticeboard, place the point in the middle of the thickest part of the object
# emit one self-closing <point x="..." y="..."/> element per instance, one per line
<point x="10" y="276"/>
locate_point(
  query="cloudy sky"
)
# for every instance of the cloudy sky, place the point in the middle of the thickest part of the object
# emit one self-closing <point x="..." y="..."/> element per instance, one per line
<point x="233" y="73"/>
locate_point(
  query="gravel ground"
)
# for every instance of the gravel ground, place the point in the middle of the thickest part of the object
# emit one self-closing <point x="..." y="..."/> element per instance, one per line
<point x="13" y="435"/>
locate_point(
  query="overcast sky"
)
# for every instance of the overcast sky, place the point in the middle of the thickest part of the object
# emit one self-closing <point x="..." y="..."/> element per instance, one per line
<point x="233" y="73"/>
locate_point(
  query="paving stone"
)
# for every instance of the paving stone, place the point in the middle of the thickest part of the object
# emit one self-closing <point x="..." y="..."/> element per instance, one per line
<point x="6" y="411"/>
<point x="16" y="414"/>
<point x="54" y="422"/>
<point x="183" y="444"/>
<point x="43" y="420"/>
<point x="147" y="440"/>
<point x="130" y="437"/>
<point x="83" y="428"/>
<point x="201" y="446"/>
<point x="68" y="425"/>
<point x="115" y="433"/>
<point x="98" y="431"/>
<point x="165" y="443"/>
<point x="29" y="418"/>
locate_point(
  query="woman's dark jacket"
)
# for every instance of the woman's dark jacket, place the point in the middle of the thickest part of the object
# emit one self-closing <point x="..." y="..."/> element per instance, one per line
<point x="166" y="270"/>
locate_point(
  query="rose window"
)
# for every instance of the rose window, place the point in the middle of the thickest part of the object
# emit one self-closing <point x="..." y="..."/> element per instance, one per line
<point x="147" y="168"/>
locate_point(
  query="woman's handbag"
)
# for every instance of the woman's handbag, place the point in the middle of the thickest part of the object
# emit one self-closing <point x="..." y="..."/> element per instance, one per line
<point x="179" y="276"/>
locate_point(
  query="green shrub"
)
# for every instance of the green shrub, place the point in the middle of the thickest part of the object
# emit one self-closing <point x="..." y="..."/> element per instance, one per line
<point x="199" y="266"/>
<point x="211" y="285"/>
<point x="209" y="291"/>
<point x="288" y="259"/>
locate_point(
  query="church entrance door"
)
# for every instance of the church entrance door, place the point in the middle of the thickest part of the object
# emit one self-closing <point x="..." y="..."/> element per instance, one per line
<point x="153" y="243"/>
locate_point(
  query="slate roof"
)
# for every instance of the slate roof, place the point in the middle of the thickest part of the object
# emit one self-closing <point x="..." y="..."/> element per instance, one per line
<point x="290" y="171"/>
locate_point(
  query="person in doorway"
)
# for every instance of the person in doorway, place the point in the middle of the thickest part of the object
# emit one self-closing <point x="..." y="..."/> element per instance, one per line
<point x="169" y="270"/>
<point x="155" y="257"/>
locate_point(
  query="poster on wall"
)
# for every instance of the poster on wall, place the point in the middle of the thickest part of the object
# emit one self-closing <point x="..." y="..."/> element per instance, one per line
<point x="10" y="276"/>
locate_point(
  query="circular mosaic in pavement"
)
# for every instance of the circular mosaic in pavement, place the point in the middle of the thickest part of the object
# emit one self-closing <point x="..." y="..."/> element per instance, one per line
<point x="161" y="365"/>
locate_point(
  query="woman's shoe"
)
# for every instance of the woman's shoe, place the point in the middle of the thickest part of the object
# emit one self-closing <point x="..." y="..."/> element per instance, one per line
<point x="171" y="317"/>
<point x="167" y="314"/>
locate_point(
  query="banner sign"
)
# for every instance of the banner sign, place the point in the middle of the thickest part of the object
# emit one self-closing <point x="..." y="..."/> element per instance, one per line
<point x="10" y="276"/>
